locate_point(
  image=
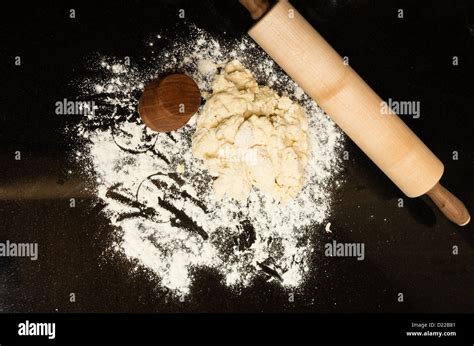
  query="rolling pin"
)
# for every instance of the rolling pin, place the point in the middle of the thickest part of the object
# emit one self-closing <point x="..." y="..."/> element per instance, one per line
<point x="319" y="70"/>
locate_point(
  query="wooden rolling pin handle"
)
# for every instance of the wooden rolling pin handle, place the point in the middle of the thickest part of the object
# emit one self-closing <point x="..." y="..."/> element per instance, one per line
<point x="449" y="204"/>
<point x="257" y="8"/>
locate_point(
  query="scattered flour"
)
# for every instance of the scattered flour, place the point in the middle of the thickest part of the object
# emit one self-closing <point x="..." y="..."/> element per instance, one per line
<point x="159" y="197"/>
<point x="328" y="228"/>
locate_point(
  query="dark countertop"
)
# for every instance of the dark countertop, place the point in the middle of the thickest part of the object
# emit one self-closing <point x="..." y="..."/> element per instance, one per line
<point x="408" y="250"/>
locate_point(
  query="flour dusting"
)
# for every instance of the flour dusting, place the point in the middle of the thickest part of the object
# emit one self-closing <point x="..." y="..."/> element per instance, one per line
<point x="159" y="197"/>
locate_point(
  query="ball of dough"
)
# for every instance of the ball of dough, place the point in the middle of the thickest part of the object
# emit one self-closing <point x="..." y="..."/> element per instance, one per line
<point x="247" y="135"/>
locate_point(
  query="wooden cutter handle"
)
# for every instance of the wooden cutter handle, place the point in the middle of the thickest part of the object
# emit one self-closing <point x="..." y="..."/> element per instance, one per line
<point x="449" y="204"/>
<point x="257" y="8"/>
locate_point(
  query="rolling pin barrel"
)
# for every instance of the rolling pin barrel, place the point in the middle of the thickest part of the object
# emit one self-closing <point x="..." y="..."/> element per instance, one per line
<point x="321" y="72"/>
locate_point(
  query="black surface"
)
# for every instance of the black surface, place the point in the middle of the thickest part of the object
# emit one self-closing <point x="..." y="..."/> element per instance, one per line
<point x="408" y="249"/>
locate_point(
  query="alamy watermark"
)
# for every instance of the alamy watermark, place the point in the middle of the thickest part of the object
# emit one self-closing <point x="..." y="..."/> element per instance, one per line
<point x="336" y="249"/>
<point x="401" y="108"/>
<point x="238" y="155"/>
<point x="28" y="328"/>
<point x="67" y="107"/>
<point x="10" y="249"/>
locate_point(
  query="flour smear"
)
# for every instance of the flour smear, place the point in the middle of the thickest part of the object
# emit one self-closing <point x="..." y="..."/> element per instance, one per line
<point x="159" y="197"/>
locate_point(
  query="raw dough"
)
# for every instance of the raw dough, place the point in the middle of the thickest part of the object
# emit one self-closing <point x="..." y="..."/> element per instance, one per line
<point x="248" y="136"/>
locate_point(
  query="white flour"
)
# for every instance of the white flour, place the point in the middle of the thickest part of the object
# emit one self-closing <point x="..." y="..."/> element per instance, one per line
<point x="160" y="198"/>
